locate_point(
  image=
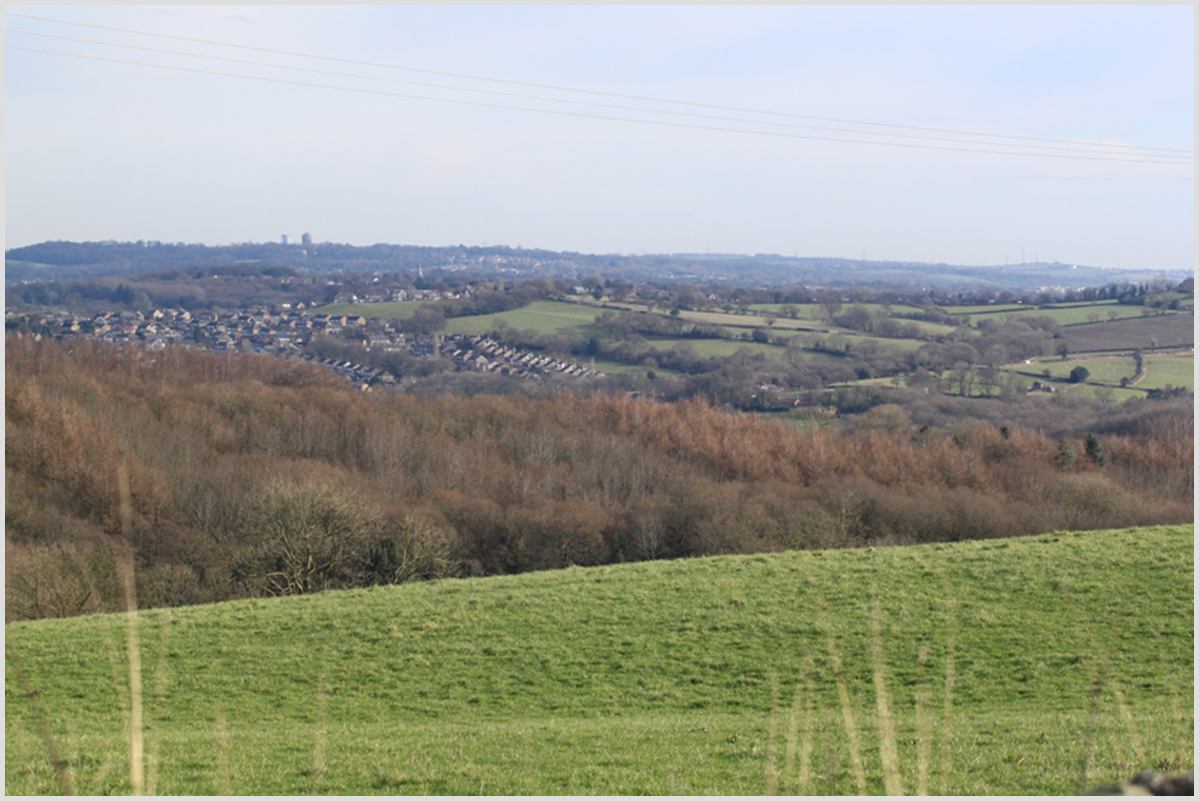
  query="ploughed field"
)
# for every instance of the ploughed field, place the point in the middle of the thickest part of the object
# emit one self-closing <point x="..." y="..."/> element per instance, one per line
<point x="1046" y="664"/>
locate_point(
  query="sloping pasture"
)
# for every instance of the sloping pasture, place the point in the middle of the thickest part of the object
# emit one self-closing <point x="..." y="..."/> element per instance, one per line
<point x="545" y="316"/>
<point x="1040" y="665"/>
<point x="1177" y="371"/>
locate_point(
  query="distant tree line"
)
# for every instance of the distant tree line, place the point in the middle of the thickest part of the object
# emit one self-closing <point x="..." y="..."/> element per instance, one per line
<point x="62" y="260"/>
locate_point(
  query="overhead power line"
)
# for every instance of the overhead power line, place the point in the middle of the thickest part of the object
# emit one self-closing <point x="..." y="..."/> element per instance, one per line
<point x="1094" y="148"/>
<point x="558" y="113"/>
<point x="578" y="90"/>
<point x="1072" y="149"/>
<point x="1088" y="149"/>
<point x="583" y="91"/>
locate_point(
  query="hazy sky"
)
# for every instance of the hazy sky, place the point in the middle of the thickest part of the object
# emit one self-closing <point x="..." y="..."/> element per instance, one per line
<point x="100" y="150"/>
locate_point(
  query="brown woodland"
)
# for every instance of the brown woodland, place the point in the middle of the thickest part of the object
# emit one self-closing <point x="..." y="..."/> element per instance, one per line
<point x="225" y="476"/>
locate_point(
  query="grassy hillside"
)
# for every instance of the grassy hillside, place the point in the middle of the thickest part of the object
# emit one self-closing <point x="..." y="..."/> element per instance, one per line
<point x="1037" y="665"/>
<point x="546" y="316"/>
<point x="1175" y="370"/>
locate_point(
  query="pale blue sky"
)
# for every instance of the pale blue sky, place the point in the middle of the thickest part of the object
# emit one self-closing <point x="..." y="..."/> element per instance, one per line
<point x="98" y="150"/>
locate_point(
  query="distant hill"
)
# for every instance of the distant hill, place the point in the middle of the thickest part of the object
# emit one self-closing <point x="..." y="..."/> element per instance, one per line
<point x="50" y="261"/>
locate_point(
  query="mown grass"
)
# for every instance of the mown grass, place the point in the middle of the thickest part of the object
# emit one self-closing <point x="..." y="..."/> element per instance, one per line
<point x="1039" y="665"/>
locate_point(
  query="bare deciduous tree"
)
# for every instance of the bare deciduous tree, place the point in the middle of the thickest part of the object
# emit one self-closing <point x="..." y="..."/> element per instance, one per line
<point x="308" y="535"/>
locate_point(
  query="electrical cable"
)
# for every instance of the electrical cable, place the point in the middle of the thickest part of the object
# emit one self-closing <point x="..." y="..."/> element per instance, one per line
<point x="777" y="134"/>
<point x="642" y="98"/>
<point x="917" y="137"/>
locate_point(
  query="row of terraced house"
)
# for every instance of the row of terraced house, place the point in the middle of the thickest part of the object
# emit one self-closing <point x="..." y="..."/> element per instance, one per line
<point x="287" y="333"/>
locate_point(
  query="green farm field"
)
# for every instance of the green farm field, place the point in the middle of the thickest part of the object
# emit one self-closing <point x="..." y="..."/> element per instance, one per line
<point x="606" y="366"/>
<point x="1080" y="315"/>
<point x="1062" y="316"/>
<point x="1158" y="331"/>
<point x="803" y="326"/>
<point x="718" y="347"/>
<point x="1177" y="371"/>
<point x="991" y="308"/>
<point x="805" y="322"/>
<point x="804" y="311"/>
<point x="546" y="316"/>
<point x="1041" y="665"/>
<point x="813" y="311"/>
<point x="750" y="321"/>
<point x="1105" y="369"/>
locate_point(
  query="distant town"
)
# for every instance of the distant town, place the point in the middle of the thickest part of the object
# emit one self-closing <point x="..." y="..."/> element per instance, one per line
<point x="286" y="332"/>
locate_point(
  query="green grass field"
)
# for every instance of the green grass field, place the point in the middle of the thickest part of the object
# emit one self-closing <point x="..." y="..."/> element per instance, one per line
<point x="1043" y="665"/>
<point x="1158" y="331"/>
<point x="1177" y="371"/>
<point x="813" y="311"/>
<point x="804" y="311"/>
<point x="990" y="308"/>
<point x="1095" y="314"/>
<point x="750" y="321"/>
<point x="719" y="347"/>
<point x="546" y="316"/>
<point x="1063" y="313"/>
<point x="1105" y="370"/>
<point x="739" y="322"/>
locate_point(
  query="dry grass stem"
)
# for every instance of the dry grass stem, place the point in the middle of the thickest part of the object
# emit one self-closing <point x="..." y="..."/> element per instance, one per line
<point x="160" y="696"/>
<point x="137" y="762"/>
